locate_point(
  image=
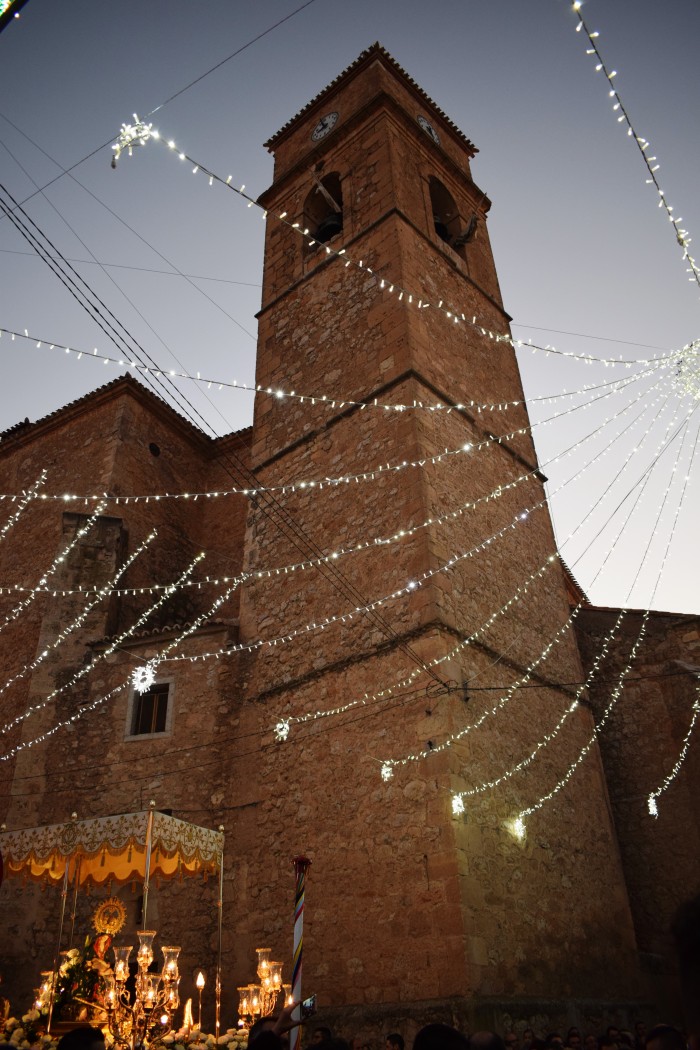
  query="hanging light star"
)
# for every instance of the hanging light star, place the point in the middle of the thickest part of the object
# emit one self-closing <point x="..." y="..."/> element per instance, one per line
<point x="653" y="809"/>
<point x="282" y="731"/>
<point x="143" y="678"/>
<point x="688" y="370"/>
<point x="457" y="805"/>
<point x="519" y="828"/>
<point x="137" y="134"/>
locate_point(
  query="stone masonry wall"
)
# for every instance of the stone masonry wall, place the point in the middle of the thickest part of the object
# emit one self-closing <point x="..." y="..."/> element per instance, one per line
<point x="391" y="853"/>
<point x="93" y="766"/>
<point x="640" y="746"/>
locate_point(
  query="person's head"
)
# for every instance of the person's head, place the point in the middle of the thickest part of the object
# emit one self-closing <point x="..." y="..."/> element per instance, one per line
<point x="554" y="1039"/>
<point x="486" y="1041"/>
<point x="640" y="1030"/>
<point x="665" y="1037"/>
<point x="613" y="1033"/>
<point x="511" y="1040"/>
<point x="590" y="1042"/>
<point x="85" y="1038"/>
<point x="394" y="1041"/>
<point x="528" y="1036"/>
<point x="573" y="1039"/>
<point x="321" y="1035"/>
<point x="440" y="1037"/>
<point x="263" y="1024"/>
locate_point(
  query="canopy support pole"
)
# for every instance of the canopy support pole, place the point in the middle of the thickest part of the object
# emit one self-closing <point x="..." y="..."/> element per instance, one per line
<point x="75" y="901"/>
<point x="54" y="978"/>
<point x="147" y="868"/>
<point x="220" y="909"/>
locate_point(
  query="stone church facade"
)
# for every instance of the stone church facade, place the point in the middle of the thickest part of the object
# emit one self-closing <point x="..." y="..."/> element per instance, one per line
<point x="414" y="913"/>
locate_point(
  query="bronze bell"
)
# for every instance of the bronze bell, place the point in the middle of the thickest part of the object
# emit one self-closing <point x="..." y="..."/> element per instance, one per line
<point x="441" y="229"/>
<point x="330" y="226"/>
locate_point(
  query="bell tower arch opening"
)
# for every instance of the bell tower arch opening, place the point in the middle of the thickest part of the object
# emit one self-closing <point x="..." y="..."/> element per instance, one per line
<point x="323" y="208"/>
<point x="445" y="214"/>
<point x="450" y="225"/>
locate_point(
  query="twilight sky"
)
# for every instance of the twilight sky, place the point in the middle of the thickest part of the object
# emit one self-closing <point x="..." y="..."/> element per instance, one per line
<point x="587" y="261"/>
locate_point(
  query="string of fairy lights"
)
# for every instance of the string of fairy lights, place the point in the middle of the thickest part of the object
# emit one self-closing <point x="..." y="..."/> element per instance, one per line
<point x="458" y="797"/>
<point x="310" y="563"/>
<point x="54" y="567"/>
<point x="23" y="502"/>
<point x="63" y="723"/>
<point x="368" y="475"/>
<point x="314" y="626"/>
<point x="518" y="823"/>
<point x="663" y="444"/>
<point x="88" y="668"/>
<point x="388" y="765"/>
<point x="283" y="727"/>
<point x="642" y="143"/>
<point x="281" y="731"/>
<point x="676" y="359"/>
<point x="374" y="542"/>
<point x="139" y="679"/>
<point x="79" y="620"/>
<point x="668" y="780"/>
<point x="139" y="134"/>
<point x="687" y="372"/>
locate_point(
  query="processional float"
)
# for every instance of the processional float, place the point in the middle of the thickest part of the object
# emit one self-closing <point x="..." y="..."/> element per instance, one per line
<point x="118" y="850"/>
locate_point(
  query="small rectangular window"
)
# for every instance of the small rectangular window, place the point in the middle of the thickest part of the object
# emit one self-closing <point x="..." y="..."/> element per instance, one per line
<point x="150" y="710"/>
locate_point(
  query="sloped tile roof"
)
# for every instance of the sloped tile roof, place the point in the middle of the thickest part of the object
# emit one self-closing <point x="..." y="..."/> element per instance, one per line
<point x="376" y="51"/>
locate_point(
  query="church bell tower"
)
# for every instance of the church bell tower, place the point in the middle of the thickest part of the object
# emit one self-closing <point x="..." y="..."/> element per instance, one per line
<point x="418" y="633"/>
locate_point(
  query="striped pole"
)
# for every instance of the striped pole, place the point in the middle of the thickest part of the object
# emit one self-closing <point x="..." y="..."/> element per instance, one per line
<point x="301" y="866"/>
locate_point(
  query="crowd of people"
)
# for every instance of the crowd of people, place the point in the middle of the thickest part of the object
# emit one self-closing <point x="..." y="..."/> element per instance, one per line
<point x="270" y="1033"/>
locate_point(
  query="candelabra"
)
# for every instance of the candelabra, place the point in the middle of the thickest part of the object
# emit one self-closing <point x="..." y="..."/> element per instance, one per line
<point x="148" y="1017"/>
<point x="259" y="1000"/>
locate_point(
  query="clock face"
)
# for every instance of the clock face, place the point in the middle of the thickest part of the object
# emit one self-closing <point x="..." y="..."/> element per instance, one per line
<point x="428" y="129"/>
<point x="324" y="125"/>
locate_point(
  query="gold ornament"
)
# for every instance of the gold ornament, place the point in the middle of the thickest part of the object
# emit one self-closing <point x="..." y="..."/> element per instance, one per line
<point x="109" y="916"/>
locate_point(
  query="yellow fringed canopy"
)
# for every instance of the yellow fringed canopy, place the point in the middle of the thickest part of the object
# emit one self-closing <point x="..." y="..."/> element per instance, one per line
<point x="111" y="849"/>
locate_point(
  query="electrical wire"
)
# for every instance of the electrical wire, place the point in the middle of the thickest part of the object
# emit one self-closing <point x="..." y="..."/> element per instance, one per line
<point x="234" y="465"/>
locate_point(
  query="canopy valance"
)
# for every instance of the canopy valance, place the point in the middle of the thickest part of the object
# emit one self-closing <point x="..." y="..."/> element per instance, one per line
<point x="111" y="849"/>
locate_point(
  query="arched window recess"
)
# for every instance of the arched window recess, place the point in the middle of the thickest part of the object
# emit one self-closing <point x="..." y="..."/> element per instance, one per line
<point x="448" y="224"/>
<point x="323" y="207"/>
